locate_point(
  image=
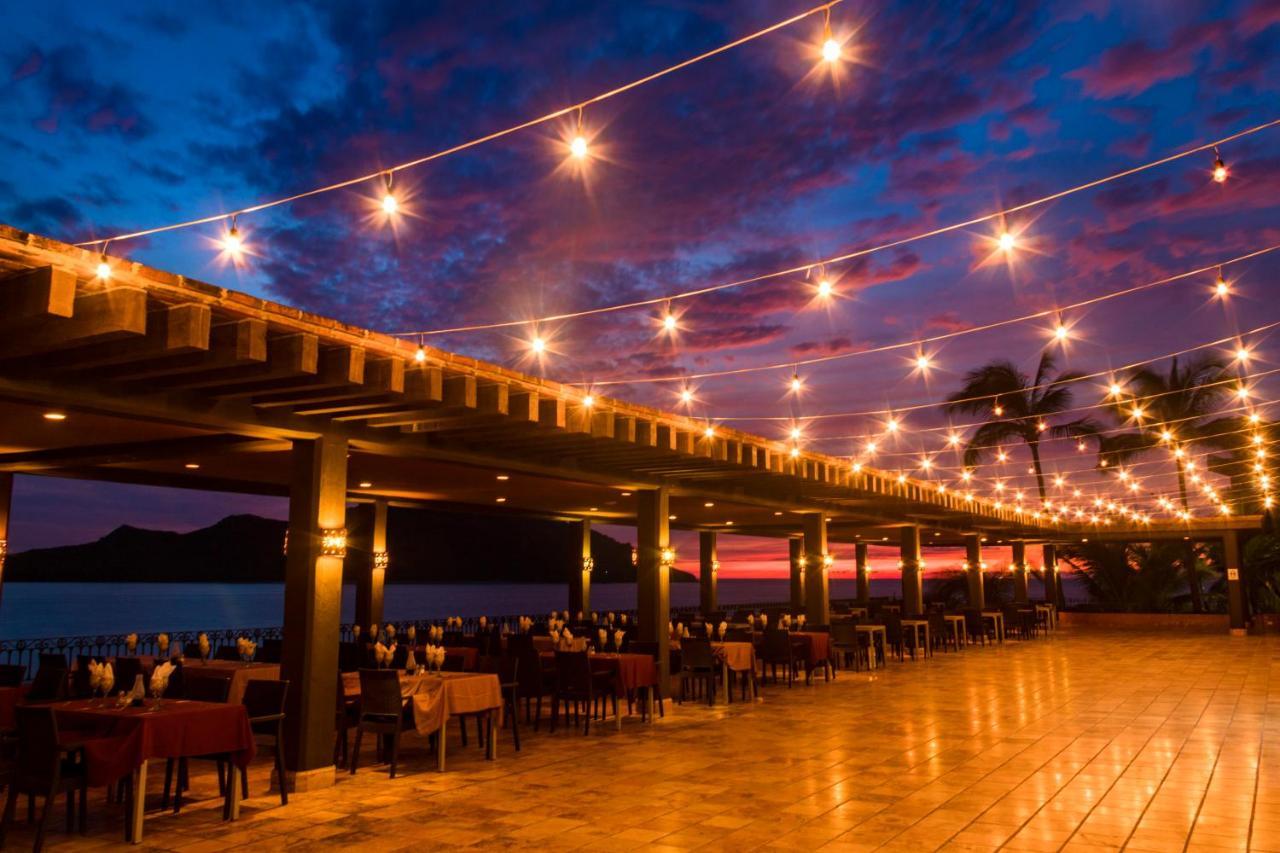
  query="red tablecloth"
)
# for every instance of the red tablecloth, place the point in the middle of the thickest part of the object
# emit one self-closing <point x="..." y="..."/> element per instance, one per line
<point x="126" y="738"/>
<point x="817" y="648"/>
<point x="628" y="671"/>
<point x="10" y="697"/>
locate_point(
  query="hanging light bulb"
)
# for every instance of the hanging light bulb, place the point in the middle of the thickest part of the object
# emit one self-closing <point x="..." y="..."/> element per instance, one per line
<point x="578" y="146"/>
<point x="1001" y="456"/>
<point x="669" y="322"/>
<point x="1007" y="241"/>
<point x="953" y="440"/>
<point x="104" y="268"/>
<point x="390" y="205"/>
<point x="420" y="355"/>
<point x="538" y="345"/>
<point x="795" y="383"/>
<point x="997" y="409"/>
<point x="1221" y="289"/>
<point x="1080" y="446"/>
<point x="588" y="401"/>
<point x="686" y="396"/>
<point x="232" y="242"/>
<point x="922" y="362"/>
<point x="891" y="425"/>
<point x="1242" y="354"/>
<point x="1061" y="332"/>
<point x="795" y="433"/>
<point x="871" y="448"/>
<point x="1219" y="167"/>
<point x="831" y="49"/>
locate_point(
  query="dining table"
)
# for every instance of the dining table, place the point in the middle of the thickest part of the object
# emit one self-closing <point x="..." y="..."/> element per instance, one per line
<point x="955" y="621"/>
<point x="996" y="618"/>
<point x="920" y="633"/>
<point x="241" y="673"/>
<point x="816" y="647"/>
<point x="437" y="697"/>
<point x="121" y="740"/>
<point x="630" y="672"/>
<point x="737" y="656"/>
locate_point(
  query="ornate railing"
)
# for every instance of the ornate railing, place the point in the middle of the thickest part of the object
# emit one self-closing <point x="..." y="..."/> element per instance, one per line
<point x="27" y="652"/>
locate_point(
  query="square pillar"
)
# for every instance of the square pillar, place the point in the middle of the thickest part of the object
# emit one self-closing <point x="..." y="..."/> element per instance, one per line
<point x="973" y="567"/>
<point x="860" y="566"/>
<point x="312" y="607"/>
<point x="1235" y="591"/>
<point x="368" y="540"/>
<point x="797" y="558"/>
<point x="6" y="504"/>
<point x="708" y="569"/>
<point x="654" y="557"/>
<point x="1050" y="573"/>
<point x="912" y="572"/>
<point x="1019" y="569"/>
<point x="817" y="596"/>
<point x="580" y="572"/>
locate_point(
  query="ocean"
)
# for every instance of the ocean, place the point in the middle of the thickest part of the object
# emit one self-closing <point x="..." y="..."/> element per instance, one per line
<point x="37" y="610"/>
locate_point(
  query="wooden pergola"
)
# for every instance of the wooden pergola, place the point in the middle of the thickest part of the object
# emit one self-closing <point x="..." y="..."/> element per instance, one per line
<point x="169" y="381"/>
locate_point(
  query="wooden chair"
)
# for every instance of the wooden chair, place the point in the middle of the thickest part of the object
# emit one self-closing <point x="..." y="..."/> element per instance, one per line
<point x="50" y="683"/>
<point x="381" y="713"/>
<point x="346" y="715"/>
<point x="845" y="642"/>
<point x="46" y="767"/>
<point x="264" y="702"/>
<point x="533" y="680"/>
<point x="640" y="647"/>
<point x="577" y="686"/>
<point x="776" y="648"/>
<point x="206" y="687"/>
<point x="699" y="666"/>
<point x="508" y="681"/>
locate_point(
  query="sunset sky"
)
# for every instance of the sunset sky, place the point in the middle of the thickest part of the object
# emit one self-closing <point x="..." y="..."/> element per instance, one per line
<point x="116" y="117"/>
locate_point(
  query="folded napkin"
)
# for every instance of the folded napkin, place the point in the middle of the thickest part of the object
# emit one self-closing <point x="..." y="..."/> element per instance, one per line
<point x="160" y="678"/>
<point x="108" y="678"/>
<point x="723" y="628"/>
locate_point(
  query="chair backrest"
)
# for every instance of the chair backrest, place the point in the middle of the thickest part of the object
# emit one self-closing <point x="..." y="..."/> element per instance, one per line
<point x="642" y="647"/>
<point x="191" y="650"/>
<point x="400" y="657"/>
<point x="892" y="626"/>
<point x="737" y="635"/>
<point x="264" y="697"/>
<point x="696" y="654"/>
<point x="50" y="684"/>
<point x="80" y="677"/>
<point x="573" y="672"/>
<point x="270" y="651"/>
<point x="529" y="672"/>
<point x="937" y="623"/>
<point x="227" y="652"/>
<point x="55" y="660"/>
<point x="844" y="633"/>
<point x="11" y="674"/>
<point x="380" y="693"/>
<point x="208" y="686"/>
<point x="776" y="644"/>
<point x="517" y="643"/>
<point x="127" y="671"/>
<point x="508" y="669"/>
<point x="454" y="638"/>
<point x="38" y="751"/>
<point x="349" y="657"/>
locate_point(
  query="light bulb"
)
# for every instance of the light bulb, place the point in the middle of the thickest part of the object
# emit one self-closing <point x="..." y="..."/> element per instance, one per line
<point x="997" y="410"/>
<point x="953" y="440"/>
<point x="1115" y="390"/>
<point x="1007" y="241"/>
<point x="1137" y="413"/>
<point x="232" y="242"/>
<point x="824" y="288"/>
<point x="104" y="268"/>
<point x="892" y="425"/>
<point x="669" y="322"/>
<point x="922" y="362"/>
<point x="1002" y="456"/>
<point x="1222" y="289"/>
<point x="538" y="345"/>
<point x="1080" y="446"/>
<point x="1061" y="332"/>
<point x="871" y="448"/>
<point x="795" y="451"/>
<point x="709" y="432"/>
<point x="831" y="50"/>
<point x="1242" y="392"/>
<point x="1220" y="170"/>
<point x="578" y="147"/>
<point x="389" y="204"/>
<point x="686" y="396"/>
<point x="795" y="383"/>
<point x="588" y="401"/>
<point x="1242" y="354"/>
<point x="421" y="354"/>
<point x="795" y="433"/>
<point x="1041" y="426"/>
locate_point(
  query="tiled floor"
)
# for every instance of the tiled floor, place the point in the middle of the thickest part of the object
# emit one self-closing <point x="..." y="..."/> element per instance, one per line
<point x="1083" y="741"/>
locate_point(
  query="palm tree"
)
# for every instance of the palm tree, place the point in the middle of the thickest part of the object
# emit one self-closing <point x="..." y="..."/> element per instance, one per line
<point x="1128" y="577"/>
<point x="1178" y="404"/>
<point x="1019" y="408"/>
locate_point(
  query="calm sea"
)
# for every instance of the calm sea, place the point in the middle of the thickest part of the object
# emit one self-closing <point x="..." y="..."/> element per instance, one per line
<point x="61" y="609"/>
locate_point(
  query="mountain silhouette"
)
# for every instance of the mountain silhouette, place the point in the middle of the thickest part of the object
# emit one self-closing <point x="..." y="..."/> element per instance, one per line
<point x="426" y="546"/>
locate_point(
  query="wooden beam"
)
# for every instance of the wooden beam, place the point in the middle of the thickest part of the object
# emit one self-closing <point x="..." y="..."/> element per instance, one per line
<point x="289" y="358"/>
<point x="40" y="292"/>
<point x="133" y="452"/>
<point x="231" y="345"/>
<point x="99" y="316"/>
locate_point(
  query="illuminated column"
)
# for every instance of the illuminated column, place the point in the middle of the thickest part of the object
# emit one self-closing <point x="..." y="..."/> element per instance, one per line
<point x="708" y="568"/>
<point x="654" y="557"/>
<point x="817" y="570"/>
<point x="1050" y="573"/>
<point x="796" y="546"/>
<point x="912" y="572"/>
<point x="1235" y="594"/>
<point x="580" y="573"/>
<point x="1019" y="569"/>
<point x="860" y="563"/>
<point x="312" y="606"/>
<point x="368" y="527"/>
<point x="6" y="503"/>
<point x="973" y="569"/>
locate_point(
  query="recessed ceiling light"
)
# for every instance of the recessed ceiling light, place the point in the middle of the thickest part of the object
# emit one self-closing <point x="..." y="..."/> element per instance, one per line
<point x="709" y="504"/>
<point x="55" y="416"/>
<point x="503" y="477"/>
<point x="595" y="509"/>
<point x="626" y="494"/>
<point x="501" y="500"/>
<point x="729" y="523"/>
<point x="671" y="518"/>
<point x="779" y="512"/>
<point x="192" y="465"/>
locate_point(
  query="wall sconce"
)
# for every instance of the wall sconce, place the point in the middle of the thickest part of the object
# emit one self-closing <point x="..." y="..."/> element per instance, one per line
<point x="715" y="566"/>
<point x="286" y="542"/>
<point x="828" y="561"/>
<point x="668" y="556"/>
<point x="4" y="552"/>
<point x="381" y="560"/>
<point x="802" y="561"/>
<point x="635" y="556"/>
<point x="333" y="542"/>
<point x="588" y="564"/>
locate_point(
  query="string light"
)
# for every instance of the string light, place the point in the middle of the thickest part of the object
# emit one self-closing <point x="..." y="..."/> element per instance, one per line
<point x="537" y="345"/>
<point x="578" y="145"/>
<point x="686" y="396"/>
<point x="588" y="401"/>
<point x="1222" y="289"/>
<point x="796" y="384"/>
<point x="390" y="206"/>
<point x="1007" y="241"/>
<point x="232" y="242"/>
<point x="669" y="322"/>
<point x="891" y="425"/>
<point x="1219" y="167"/>
<point x="420" y="355"/>
<point x="831" y="49"/>
<point x="1061" y="333"/>
<point x="104" y="268"/>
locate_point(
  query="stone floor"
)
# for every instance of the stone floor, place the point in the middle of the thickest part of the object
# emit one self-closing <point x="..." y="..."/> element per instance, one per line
<point x="1083" y="741"/>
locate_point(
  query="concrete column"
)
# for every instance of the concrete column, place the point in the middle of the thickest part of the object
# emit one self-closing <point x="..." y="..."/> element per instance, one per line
<point x="912" y="579"/>
<point x="817" y="593"/>
<point x="368" y="525"/>
<point x="973" y="570"/>
<point x="1050" y="573"/>
<point x="312" y="607"/>
<point x="6" y="504"/>
<point x="864" y="580"/>
<point x="798" y="567"/>
<point x="708" y="568"/>
<point x="1019" y="569"/>
<point x="1235" y="593"/>
<point x="580" y="572"/>
<point x="653" y="573"/>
